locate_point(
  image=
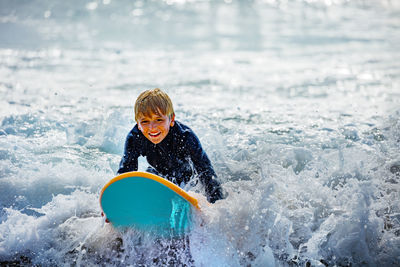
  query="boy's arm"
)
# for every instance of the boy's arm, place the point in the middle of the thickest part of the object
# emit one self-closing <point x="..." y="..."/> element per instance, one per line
<point x="204" y="169"/>
<point x="129" y="161"/>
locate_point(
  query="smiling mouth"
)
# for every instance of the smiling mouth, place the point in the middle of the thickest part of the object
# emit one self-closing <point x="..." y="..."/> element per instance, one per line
<point x="154" y="135"/>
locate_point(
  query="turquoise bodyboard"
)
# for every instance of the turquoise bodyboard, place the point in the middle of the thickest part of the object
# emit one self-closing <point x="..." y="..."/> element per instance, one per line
<point x="147" y="203"/>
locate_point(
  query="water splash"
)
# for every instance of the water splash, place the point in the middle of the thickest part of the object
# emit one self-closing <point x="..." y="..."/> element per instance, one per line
<point x="295" y="102"/>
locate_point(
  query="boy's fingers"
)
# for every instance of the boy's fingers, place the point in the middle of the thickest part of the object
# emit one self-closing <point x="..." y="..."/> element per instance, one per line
<point x="106" y="220"/>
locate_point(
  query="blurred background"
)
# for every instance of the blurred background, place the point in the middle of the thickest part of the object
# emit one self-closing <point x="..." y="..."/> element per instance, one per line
<point x="296" y="103"/>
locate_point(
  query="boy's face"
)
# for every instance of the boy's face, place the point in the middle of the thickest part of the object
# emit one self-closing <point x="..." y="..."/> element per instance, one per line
<point x="156" y="126"/>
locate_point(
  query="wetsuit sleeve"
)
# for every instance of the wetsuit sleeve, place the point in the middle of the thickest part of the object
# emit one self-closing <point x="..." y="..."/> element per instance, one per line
<point x="129" y="161"/>
<point x="204" y="169"/>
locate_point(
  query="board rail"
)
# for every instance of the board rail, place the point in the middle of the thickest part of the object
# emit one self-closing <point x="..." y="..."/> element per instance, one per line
<point x="156" y="178"/>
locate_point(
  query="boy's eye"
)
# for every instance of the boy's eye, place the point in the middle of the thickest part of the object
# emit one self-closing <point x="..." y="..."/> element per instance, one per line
<point x="144" y="122"/>
<point x="160" y="120"/>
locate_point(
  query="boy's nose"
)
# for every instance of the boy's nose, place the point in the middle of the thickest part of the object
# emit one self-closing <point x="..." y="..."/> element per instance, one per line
<point x="152" y="125"/>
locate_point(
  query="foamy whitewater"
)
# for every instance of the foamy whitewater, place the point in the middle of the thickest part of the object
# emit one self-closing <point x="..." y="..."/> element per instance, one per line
<point x="296" y="102"/>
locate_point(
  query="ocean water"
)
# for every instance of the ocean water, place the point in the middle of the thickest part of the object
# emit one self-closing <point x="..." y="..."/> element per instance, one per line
<point x="296" y="102"/>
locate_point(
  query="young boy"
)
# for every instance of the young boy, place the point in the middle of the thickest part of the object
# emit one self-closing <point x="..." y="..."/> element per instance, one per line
<point x="170" y="147"/>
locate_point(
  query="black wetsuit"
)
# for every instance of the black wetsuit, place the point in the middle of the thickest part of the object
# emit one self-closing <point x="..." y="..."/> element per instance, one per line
<point x="178" y="157"/>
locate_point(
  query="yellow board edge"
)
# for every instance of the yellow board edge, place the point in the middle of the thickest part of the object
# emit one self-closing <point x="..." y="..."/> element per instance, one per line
<point x="156" y="178"/>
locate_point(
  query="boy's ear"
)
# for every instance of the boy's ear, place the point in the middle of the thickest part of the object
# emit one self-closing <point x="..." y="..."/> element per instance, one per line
<point x="172" y="123"/>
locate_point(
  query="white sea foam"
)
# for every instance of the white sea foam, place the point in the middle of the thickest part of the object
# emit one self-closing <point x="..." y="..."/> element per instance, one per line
<point x="295" y="102"/>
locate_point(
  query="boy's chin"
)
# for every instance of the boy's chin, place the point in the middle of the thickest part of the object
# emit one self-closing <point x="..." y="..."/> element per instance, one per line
<point x="155" y="140"/>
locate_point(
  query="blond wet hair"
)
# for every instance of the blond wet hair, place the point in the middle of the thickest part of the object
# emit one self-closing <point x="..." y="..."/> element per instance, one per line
<point x="153" y="101"/>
